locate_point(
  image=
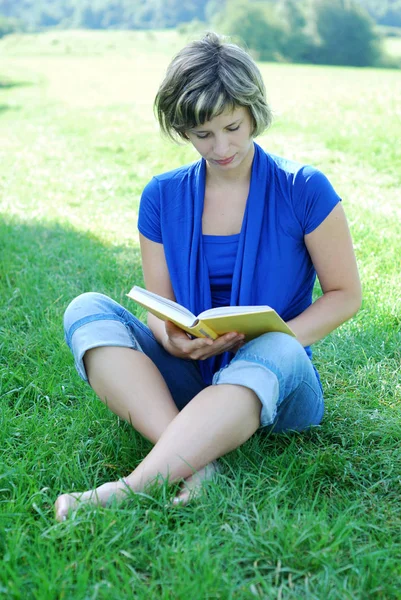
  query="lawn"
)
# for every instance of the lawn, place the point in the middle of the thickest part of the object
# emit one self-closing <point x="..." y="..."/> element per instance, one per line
<point x="316" y="515"/>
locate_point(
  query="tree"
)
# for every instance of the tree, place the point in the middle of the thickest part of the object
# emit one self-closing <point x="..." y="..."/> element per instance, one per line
<point x="102" y="14"/>
<point x="213" y="9"/>
<point x="297" y="42"/>
<point x="347" y="34"/>
<point x="254" y="25"/>
<point x="8" y="26"/>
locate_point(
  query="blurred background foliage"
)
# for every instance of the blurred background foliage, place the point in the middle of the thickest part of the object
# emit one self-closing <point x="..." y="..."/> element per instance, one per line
<point x="340" y="32"/>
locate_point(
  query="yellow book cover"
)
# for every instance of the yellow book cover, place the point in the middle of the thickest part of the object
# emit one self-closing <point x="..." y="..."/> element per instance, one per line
<point x="249" y="320"/>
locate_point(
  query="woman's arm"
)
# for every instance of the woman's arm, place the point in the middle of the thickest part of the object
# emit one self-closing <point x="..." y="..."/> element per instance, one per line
<point x="157" y="280"/>
<point x="172" y="338"/>
<point x="330" y="248"/>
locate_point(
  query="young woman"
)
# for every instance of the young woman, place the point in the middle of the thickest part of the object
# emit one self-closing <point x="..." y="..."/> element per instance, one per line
<point x="239" y="227"/>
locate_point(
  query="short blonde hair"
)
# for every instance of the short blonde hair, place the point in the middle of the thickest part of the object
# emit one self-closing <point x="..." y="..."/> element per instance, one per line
<point x="205" y="78"/>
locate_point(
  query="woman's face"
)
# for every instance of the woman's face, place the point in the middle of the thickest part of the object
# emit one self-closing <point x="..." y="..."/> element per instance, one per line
<point x="225" y="140"/>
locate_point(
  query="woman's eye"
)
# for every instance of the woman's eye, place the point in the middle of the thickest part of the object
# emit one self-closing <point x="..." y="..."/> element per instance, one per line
<point x="203" y="136"/>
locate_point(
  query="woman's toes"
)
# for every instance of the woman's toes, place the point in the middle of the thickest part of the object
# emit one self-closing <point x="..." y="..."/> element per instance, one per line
<point x="182" y="499"/>
<point x="192" y="486"/>
<point x="63" y="505"/>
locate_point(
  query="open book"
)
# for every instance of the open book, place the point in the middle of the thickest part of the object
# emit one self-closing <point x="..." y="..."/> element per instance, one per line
<point x="249" y="320"/>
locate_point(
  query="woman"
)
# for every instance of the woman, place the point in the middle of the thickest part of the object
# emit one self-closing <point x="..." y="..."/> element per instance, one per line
<point x="237" y="227"/>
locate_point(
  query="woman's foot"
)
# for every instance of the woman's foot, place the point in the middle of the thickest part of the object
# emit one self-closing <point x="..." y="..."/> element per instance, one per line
<point x="118" y="490"/>
<point x="192" y="486"/>
<point x="99" y="497"/>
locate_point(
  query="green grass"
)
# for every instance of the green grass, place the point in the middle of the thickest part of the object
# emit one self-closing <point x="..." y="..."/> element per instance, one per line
<point x="313" y="516"/>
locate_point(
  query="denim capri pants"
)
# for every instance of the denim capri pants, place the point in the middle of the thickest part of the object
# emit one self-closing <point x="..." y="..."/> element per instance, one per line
<point x="275" y="365"/>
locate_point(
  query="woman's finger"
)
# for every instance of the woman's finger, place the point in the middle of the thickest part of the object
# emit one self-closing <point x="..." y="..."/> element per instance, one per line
<point x="200" y="348"/>
<point x="219" y="346"/>
<point x="186" y="346"/>
<point x="228" y="341"/>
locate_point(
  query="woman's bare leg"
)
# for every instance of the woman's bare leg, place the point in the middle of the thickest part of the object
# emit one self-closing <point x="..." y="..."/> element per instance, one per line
<point x="218" y="420"/>
<point x="132" y="387"/>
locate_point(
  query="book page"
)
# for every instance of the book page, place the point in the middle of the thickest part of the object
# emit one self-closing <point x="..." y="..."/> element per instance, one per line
<point x="223" y="311"/>
<point x="162" y="306"/>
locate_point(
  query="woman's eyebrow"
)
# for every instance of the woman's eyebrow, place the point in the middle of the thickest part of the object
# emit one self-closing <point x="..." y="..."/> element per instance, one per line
<point x="234" y="122"/>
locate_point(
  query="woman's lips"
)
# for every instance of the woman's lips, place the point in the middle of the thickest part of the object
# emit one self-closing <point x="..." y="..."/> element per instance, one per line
<point x="226" y="161"/>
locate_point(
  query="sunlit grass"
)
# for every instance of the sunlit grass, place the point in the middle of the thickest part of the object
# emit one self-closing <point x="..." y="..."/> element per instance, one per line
<point x="304" y="516"/>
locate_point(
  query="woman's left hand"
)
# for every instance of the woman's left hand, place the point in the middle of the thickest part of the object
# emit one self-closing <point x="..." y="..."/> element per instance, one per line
<point x="179" y="344"/>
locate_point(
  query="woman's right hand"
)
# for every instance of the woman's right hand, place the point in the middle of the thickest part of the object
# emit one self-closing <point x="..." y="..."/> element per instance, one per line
<point x="179" y="344"/>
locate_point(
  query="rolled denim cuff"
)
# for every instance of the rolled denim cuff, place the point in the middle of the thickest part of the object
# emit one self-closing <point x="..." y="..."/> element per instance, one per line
<point x="259" y="379"/>
<point x="94" y="334"/>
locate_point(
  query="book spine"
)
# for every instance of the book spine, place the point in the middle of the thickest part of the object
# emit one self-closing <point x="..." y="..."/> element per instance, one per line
<point x="200" y="329"/>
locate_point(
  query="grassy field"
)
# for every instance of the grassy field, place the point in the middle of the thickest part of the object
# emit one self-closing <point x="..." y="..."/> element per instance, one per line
<point x="314" y="516"/>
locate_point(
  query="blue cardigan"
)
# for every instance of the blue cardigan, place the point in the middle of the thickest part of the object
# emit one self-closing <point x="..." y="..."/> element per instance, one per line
<point x="286" y="201"/>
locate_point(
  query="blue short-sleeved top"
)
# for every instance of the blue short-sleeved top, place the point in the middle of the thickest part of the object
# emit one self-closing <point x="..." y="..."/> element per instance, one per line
<point x="220" y="252"/>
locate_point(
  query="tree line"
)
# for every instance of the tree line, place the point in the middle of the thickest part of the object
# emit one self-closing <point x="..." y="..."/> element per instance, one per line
<point x="334" y="32"/>
<point x="34" y="15"/>
<point x="317" y="31"/>
<point x="103" y="14"/>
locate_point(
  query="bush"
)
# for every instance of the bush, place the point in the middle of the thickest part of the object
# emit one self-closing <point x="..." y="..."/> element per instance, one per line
<point x="256" y="26"/>
<point x="347" y="34"/>
<point x="8" y="26"/>
<point x="297" y="43"/>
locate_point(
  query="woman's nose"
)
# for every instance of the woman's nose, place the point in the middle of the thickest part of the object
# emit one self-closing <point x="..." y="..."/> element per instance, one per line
<point x="221" y="146"/>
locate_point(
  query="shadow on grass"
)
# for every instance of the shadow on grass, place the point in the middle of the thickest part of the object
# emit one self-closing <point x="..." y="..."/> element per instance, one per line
<point x="42" y="268"/>
<point x="5" y="107"/>
<point x="48" y="261"/>
<point x="7" y="84"/>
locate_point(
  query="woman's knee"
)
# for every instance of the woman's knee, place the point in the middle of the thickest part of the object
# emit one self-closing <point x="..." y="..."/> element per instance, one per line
<point x="276" y="347"/>
<point x="86" y="306"/>
<point x="284" y="358"/>
<point x="93" y="320"/>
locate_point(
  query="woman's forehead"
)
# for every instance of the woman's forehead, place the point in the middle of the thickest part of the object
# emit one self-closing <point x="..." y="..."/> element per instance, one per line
<point x="229" y="114"/>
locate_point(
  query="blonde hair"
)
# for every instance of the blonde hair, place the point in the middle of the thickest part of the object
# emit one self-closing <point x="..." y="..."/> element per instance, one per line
<point x="205" y="78"/>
